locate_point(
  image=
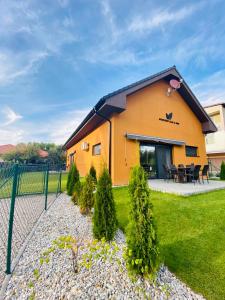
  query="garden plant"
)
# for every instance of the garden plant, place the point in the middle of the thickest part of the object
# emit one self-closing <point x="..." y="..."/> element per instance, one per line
<point x="142" y="245"/>
<point x="86" y="196"/>
<point x="73" y="178"/>
<point x="92" y="172"/>
<point x="222" y="171"/>
<point x="104" y="219"/>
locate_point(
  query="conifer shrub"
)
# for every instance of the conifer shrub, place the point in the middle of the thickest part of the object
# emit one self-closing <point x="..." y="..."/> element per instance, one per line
<point x="222" y="171"/>
<point x="74" y="177"/>
<point x="104" y="219"/>
<point x="92" y="172"/>
<point x="86" y="198"/>
<point x="68" y="179"/>
<point x="142" y="246"/>
<point x="77" y="192"/>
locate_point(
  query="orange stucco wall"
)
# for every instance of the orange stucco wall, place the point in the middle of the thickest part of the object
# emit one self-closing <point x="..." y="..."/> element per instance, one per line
<point x="84" y="159"/>
<point x="144" y="108"/>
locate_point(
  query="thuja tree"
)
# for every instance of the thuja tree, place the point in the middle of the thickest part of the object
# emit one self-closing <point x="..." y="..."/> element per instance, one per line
<point x="142" y="245"/>
<point x="92" y="172"/>
<point x="73" y="178"/>
<point x="104" y="219"/>
<point x="77" y="191"/>
<point x="86" y="199"/>
<point x="222" y="171"/>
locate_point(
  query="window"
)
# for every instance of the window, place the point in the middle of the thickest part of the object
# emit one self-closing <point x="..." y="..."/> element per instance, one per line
<point x="191" y="151"/>
<point x="71" y="159"/>
<point x="96" y="149"/>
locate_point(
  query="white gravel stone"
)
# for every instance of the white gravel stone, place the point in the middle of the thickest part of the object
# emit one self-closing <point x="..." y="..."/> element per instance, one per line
<point x="104" y="280"/>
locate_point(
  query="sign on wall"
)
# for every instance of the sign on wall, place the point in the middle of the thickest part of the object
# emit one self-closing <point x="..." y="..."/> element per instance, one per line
<point x="168" y="118"/>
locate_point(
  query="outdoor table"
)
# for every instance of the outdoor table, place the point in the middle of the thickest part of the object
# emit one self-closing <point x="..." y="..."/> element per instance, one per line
<point x="181" y="178"/>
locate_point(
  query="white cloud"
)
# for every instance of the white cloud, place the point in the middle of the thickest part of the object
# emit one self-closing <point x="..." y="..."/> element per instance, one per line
<point x="10" y="115"/>
<point x="160" y="17"/>
<point x="8" y="136"/>
<point x="211" y="89"/>
<point x="64" y="127"/>
<point x="40" y="37"/>
<point x="57" y="129"/>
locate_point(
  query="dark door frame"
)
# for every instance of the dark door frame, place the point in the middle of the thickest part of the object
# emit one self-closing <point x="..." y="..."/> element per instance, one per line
<point x="156" y="156"/>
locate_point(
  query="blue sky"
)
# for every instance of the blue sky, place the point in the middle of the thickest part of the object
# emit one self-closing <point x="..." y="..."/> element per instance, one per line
<point x="57" y="58"/>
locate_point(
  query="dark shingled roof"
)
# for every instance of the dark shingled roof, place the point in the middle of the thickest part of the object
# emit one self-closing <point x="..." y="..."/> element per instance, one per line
<point x="129" y="89"/>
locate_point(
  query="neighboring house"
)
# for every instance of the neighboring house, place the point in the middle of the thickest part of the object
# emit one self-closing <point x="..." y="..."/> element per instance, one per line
<point x="43" y="153"/>
<point x="141" y="124"/>
<point x="215" y="142"/>
<point x="8" y="148"/>
<point x="5" y="149"/>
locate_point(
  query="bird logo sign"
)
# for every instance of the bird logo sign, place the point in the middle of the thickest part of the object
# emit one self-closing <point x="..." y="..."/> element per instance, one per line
<point x="169" y="116"/>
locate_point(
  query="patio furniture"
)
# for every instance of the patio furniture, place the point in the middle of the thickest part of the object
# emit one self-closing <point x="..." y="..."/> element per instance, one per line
<point x="193" y="174"/>
<point x="174" y="172"/>
<point x="205" y="171"/>
<point x="167" y="172"/>
<point x="181" y="173"/>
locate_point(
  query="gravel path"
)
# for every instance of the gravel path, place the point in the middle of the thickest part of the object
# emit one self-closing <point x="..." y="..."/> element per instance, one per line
<point x="102" y="281"/>
<point x="28" y="209"/>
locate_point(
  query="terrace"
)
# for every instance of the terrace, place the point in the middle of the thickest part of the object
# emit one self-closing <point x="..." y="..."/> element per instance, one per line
<point x="185" y="189"/>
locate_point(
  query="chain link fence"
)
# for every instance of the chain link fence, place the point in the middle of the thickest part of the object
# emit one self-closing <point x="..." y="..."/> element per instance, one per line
<point x="25" y="192"/>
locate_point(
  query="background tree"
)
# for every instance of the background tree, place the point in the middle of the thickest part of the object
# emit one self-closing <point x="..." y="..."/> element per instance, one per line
<point x="31" y="153"/>
<point x="104" y="219"/>
<point x="86" y="199"/>
<point x="222" y="171"/>
<point x="142" y="244"/>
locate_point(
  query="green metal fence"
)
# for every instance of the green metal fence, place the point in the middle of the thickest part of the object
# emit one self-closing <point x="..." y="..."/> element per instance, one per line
<point x="25" y="192"/>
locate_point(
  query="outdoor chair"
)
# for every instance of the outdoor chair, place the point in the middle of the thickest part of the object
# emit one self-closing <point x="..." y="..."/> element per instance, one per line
<point x="193" y="175"/>
<point x="174" y="172"/>
<point x="167" y="170"/>
<point x="205" y="171"/>
<point x="181" y="174"/>
<point x="180" y="166"/>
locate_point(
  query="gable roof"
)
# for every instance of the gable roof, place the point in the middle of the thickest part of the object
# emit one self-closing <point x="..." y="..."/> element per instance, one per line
<point x="115" y="102"/>
<point x="6" y="148"/>
<point x="215" y="104"/>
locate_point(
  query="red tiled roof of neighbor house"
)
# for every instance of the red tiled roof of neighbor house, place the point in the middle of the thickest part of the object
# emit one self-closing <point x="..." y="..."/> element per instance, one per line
<point x="43" y="153"/>
<point x="6" y="148"/>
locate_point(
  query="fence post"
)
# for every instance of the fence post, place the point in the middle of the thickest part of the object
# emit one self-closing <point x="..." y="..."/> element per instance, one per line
<point x="59" y="190"/>
<point x="46" y="187"/>
<point x="11" y="218"/>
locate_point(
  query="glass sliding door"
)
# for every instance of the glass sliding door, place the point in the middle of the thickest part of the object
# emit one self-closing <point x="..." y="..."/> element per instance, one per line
<point x="163" y="155"/>
<point x="148" y="159"/>
<point x="153" y="157"/>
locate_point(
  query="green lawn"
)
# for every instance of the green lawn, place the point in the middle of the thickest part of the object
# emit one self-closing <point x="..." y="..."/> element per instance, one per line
<point x="191" y="232"/>
<point x="33" y="182"/>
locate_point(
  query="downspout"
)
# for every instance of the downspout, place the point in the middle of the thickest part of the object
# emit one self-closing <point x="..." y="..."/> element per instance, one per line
<point x="110" y="137"/>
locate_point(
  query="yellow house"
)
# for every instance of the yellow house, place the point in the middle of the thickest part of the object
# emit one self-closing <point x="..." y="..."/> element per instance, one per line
<point x="143" y="124"/>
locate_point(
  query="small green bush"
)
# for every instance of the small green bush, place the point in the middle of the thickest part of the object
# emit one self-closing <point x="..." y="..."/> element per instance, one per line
<point x="73" y="178"/>
<point x="142" y="246"/>
<point x="222" y="171"/>
<point x="86" y="199"/>
<point x="77" y="191"/>
<point x="92" y="172"/>
<point x="104" y="219"/>
<point x="68" y="179"/>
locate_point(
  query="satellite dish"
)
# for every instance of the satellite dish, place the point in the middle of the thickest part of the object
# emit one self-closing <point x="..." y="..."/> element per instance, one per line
<point x="175" y="84"/>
